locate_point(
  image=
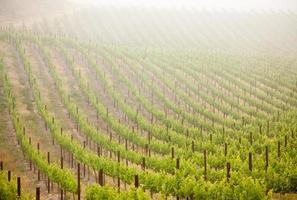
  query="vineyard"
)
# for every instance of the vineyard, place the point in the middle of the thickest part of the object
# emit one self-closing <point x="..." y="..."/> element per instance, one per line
<point x="119" y="120"/>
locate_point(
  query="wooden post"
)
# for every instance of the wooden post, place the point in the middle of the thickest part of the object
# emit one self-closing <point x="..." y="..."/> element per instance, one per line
<point x="100" y="177"/>
<point x="228" y="171"/>
<point x="286" y="140"/>
<point x="193" y="146"/>
<point x="48" y="179"/>
<point x="251" y="138"/>
<point x="250" y="162"/>
<point x="62" y="168"/>
<point x="266" y="158"/>
<point x="38" y="172"/>
<point x="177" y="163"/>
<point x="78" y="181"/>
<point x="226" y="149"/>
<point x="8" y="176"/>
<point x="136" y="181"/>
<point x="172" y="152"/>
<point x="38" y="193"/>
<point x="19" y="186"/>
<point x="1" y="165"/>
<point x="278" y="149"/>
<point x="205" y="169"/>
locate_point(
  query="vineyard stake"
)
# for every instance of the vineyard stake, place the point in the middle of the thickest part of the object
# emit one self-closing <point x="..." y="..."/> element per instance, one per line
<point x="78" y="181"/>
<point x="101" y="177"/>
<point x="266" y="158"/>
<point x="38" y="172"/>
<point x="177" y="163"/>
<point x="9" y="176"/>
<point x="205" y="169"/>
<point x="226" y="149"/>
<point x="19" y="186"/>
<point x="278" y="149"/>
<point x="136" y="181"/>
<point x="48" y="179"/>
<point x="62" y="162"/>
<point x="38" y="193"/>
<point x="250" y="162"/>
<point x="228" y="171"/>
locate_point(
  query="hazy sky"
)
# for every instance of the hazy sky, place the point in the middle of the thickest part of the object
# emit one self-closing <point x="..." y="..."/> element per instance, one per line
<point x="200" y="4"/>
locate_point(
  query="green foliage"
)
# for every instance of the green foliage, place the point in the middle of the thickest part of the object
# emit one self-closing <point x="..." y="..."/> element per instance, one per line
<point x="162" y="176"/>
<point x="8" y="190"/>
<point x="95" y="192"/>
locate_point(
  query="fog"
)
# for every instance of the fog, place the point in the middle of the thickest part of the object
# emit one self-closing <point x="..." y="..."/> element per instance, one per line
<point x="219" y="24"/>
<point x="239" y="5"/>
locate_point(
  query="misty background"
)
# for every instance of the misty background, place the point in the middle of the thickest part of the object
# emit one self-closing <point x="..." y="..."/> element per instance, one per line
<point x="260" y="26"/>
